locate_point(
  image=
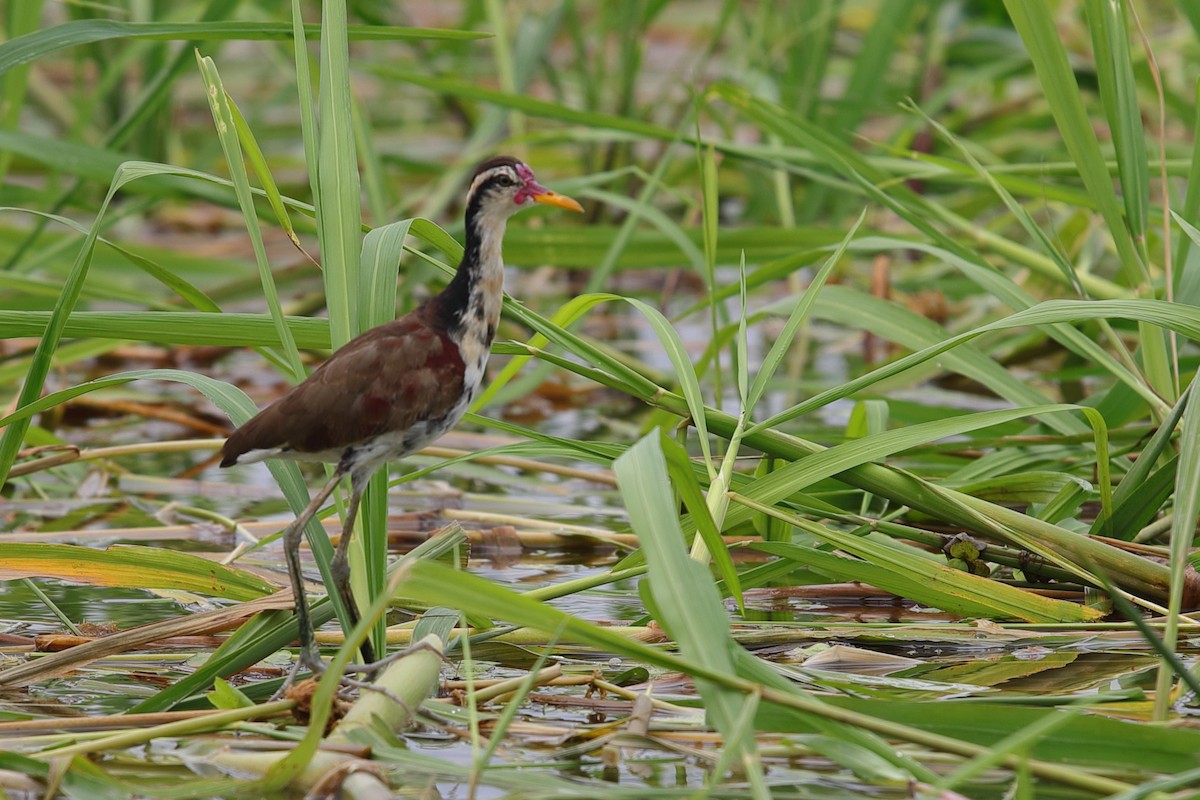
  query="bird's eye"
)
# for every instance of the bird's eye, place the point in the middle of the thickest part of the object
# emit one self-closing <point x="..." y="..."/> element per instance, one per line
<point x="504" y="180"/>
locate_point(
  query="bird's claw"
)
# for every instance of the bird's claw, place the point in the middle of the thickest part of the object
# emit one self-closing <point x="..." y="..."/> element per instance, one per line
<point x="391" y="658"/>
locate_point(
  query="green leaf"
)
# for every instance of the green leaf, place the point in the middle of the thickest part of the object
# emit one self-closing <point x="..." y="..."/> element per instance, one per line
<point x="1118" y="94"/>
<point x="683" y="478"/>
<point x="262" y="171"/>
<point x="524" y="103"/>
<point x="163" y="275"/>
<point x="225" y="695"/>
<point x="31" y="46"/>
<point x="382" y="250"/>
<point x="170" y="327"/>
<point x="1173" y="316"/>
<point x="39" y="368"/>
<point x="1090" y="740"/>
<point x="337" y="186"/>
<point x="1183" y="531"/>
<point x="782" y="345"/>
<point x="132" y="566"/>
<point x="685" y="373"/>
<point x="682" y="588"/>
<point x="228" y="134"/>
<point x="1041" y="37"/>
<point x="21" y="19"/>
<point x="895" y="570"/>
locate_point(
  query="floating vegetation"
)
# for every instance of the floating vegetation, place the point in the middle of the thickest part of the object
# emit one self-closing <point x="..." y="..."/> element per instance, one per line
<point x="844" y="447"/>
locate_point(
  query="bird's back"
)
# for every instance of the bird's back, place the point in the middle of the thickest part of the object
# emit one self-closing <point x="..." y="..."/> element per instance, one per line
<point x="394" y="384"/>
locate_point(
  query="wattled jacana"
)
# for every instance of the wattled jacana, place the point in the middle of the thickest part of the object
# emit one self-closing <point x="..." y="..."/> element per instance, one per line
<point x="397" y="387"/>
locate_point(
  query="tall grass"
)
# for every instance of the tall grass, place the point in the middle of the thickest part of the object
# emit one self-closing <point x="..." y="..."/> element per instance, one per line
<point x="1008" y="167"/>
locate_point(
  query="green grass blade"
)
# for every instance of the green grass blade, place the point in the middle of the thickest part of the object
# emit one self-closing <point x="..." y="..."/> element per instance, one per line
<point x="781" y="346"/>
<point x="39" y="368"/>
<point x="528" y="105"/>
<point x="1017" y="743"/>
<point x="685" y="373"/>
<point x="709" y="224"/>
<point x="239" y="408"/>
<point x="563" y="318"/>
<point x="262" y="171"/>
<point x="227" y="133"/>
<point x="1187" y="255"/>
<point x="924" y="581"/>
<point x="870" y="75"/>
<point x="1173" y="316"/>
<point x="1183" y="530"/>
<point x="630" y="380"/>
<point x="131" y="566"/>
<point x="742" y="348"/>
<point x="503" y="59"/>
<point x="804" y="472"/>
<point x="684" y="479"/>
<point x="682" y="588"/>
<point x="671" y="229"/>
<point x="168" y="278"/>
<point x="20" y="19"/>
<point x="382" y="250"/>
<point x="373" y="178"/>
<point x="151" y="100"/>
<point x="308" y="114"/>
<point x="919" y="212"/>
<point x="32" y="46"/>
<point x="438" y="585"/>
<point x="173" y="327"/>
<point x="1033" y="22"/>
<point x="1051" y="248"/>
<point x="619" y="245"/>
<point x="339" y="219"/>
<point x="1137" y="499"/>
<point x="1118" y="93"/>
<point x="1135" y="574"/>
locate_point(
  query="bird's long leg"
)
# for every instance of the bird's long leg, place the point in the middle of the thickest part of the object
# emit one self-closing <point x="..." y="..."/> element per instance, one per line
<point x="339" y="568"/>
<point x="309" y="656"/>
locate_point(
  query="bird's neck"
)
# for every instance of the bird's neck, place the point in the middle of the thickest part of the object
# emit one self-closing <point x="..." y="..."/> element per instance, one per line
<point x="470" y="305"/>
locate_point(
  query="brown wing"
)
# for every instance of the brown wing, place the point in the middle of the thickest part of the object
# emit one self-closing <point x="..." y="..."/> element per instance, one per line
<point x="387" y="379"/>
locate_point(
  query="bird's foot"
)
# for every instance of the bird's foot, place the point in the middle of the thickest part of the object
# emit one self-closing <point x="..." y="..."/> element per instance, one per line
<point x="391" y="658"/>
<point x="288" y="682"/>
<point x="310" y="659"/>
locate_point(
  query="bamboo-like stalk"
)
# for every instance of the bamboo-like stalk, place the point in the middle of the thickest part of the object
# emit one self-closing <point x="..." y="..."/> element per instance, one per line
<point x="402" y="688"/>
<point x="1137" y="575"/>
<point x="525" y="637"/>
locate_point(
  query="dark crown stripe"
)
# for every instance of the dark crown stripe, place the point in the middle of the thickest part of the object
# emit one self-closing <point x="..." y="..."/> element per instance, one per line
<point x="492" y="163"/>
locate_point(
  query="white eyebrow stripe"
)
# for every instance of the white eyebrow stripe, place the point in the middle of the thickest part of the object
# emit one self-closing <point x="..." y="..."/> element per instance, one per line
<point x="488" y="175"/>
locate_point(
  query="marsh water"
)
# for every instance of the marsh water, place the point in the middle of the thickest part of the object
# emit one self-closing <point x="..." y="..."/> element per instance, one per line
<point x="843" y="637"/>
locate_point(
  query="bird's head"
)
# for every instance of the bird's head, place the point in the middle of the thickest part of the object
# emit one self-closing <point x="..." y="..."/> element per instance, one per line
<point x="503" y="185"/>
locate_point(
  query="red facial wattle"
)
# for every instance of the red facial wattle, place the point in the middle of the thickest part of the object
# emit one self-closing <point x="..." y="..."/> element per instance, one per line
<point x="529" y="191"/>
<point x="532" y="190"/>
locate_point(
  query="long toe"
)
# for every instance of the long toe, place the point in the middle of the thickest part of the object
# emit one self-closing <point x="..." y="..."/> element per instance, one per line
<point x="310" y="657"/>
<point x="375" y="666"/>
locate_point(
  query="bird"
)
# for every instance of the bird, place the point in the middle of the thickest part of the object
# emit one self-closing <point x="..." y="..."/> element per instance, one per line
<point x="397" y="387"/>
